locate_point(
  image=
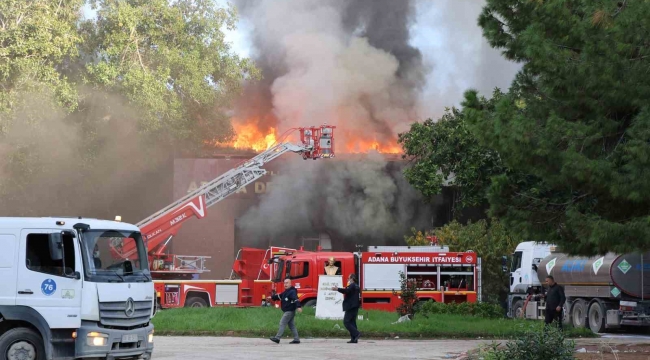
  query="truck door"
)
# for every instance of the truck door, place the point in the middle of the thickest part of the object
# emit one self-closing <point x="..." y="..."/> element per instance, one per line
<point x="46" y="283"/>
<point x="8" y="252"/>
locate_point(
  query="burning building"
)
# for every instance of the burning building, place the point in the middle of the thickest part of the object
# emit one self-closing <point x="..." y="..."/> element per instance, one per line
<point x="342" y="203"/>
<point x="344" y="63"/>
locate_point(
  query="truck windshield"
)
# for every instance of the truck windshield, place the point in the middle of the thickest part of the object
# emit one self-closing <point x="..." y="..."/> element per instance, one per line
<point x="114" y="255"/>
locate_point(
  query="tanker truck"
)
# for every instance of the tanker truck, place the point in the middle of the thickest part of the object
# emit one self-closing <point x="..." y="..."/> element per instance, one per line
<point x="602" y="292"/>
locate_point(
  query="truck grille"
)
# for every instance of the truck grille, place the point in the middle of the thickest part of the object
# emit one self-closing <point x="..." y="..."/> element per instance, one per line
<point x="113" y="314"/>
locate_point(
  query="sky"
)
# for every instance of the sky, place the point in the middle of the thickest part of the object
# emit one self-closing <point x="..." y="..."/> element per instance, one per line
<point x="447" y="34"/>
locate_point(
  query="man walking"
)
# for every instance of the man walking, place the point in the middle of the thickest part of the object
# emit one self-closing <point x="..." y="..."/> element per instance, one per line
<point x="351" y="307"/>
<point x="554" y="302"/>
<point x="290" y="304"/>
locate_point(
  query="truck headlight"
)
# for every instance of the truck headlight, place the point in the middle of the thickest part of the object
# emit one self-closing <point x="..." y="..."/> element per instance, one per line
<point x="150" y="338"/>
<point x="96" y="339"/>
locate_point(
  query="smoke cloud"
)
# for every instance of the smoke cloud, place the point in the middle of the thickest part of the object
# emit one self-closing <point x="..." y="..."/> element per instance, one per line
<point x="346" y="63"/>
<point x="354" y="64"/>
<point x="365" y="196"/>
<point x="92" y="163"/>
<point x="458" y="54"/>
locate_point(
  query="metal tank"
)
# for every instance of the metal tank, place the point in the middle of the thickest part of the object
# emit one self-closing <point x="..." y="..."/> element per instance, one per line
<point x="615" y="273"/>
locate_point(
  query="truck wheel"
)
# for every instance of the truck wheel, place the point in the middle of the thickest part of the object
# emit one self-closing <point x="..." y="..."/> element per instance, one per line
<point x="518" y="309"/>
<point x="310" y="303"/>
<point x="578" y="314"/>
<point x="22" y="344"/>
<point x="596" y="317"/>
<point x="195" y="302"/>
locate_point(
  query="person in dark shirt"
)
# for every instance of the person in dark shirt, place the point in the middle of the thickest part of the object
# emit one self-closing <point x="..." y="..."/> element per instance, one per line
<point x="350" y="307"/>
<point x="290" y="304"/>
<point x="554" y="302"/>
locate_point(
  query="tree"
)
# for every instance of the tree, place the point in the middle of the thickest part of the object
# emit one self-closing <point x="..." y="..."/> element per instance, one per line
<point x="36" y="39"/>
<point x="89" y="110"/>
<point x="170" y="60"/>
<point x="446" y="153"/>
<point x="408" y="296"/>
<point x="574" y="129"/>
<point x="418" y="238"/>
<point x="490" y="240"/>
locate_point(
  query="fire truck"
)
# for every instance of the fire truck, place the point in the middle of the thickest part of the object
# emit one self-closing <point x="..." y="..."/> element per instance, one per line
<point x="174" y="275"/>
<point x="439" y="275"/>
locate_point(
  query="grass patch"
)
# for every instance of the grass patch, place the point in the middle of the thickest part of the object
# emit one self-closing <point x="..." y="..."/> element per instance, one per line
<point x="263" y="322"/>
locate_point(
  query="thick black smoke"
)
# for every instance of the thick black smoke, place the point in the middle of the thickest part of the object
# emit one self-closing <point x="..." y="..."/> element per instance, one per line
<point x="364" y="200"/>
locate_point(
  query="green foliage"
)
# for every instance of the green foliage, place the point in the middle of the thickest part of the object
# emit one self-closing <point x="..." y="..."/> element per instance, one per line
<point x="91" y="107"/>
<point x="574" y="128"/>
<point x="490" y="240"/>
<point x="263" y="322"/>
<point x="446" y="153"/>
<point x="480" y="309"/>
<point x="408" y="296"/>
<point x="535" y="344"/>
<point x="36" y="38"/>
<point x="170" y="60"/>
<point x="418" y="238"/>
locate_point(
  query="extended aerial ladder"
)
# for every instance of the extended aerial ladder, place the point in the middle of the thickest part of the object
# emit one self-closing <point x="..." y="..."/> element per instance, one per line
<point x="159" y="228"/>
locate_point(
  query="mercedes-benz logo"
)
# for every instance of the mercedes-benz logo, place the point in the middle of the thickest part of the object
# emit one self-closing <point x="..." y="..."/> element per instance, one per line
<point x="130" y="307"/>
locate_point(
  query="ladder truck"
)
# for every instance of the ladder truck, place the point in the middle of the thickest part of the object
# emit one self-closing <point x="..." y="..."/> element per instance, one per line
<point x="173" y="274"/>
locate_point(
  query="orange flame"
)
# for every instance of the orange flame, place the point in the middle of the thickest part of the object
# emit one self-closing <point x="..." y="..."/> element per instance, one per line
<point x="248" y="136"/>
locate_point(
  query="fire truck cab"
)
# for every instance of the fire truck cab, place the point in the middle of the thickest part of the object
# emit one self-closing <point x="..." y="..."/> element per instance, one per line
<point x="304" y="268"/>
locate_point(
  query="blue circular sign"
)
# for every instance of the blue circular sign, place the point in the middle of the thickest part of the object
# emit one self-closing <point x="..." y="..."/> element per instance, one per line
<point x="48" y="287"/>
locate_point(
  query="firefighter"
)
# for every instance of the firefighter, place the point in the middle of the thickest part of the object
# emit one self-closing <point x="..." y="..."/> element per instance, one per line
<point x="351" y="307"/>
<point x="290" y="304"/>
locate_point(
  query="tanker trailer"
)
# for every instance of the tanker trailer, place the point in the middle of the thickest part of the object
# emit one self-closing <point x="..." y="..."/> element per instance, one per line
<point x="602" y="292"/>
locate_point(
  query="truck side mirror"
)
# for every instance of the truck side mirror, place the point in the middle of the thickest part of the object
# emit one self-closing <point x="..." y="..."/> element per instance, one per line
<point x="504" y="264"/>
<point x="56" y="246"/>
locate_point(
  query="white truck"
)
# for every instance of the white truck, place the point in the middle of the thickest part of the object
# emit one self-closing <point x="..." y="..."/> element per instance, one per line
<point x="62" y="296"/>
<point x="602" y="292"/>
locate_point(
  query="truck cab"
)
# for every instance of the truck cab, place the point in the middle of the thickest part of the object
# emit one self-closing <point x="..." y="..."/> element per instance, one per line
<point x="304" y="268"/>
<point x="526" y="257"/>
<point x="523" y="274"/>
<point x="64" y="296"/>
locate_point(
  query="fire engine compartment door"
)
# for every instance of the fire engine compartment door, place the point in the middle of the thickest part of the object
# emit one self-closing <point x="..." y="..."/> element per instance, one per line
<point x="382" y="276"/>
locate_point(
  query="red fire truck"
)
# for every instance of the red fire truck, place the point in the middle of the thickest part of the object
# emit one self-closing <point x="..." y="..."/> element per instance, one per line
<point x="440" y="275"/>
<point x="178" y="271"/>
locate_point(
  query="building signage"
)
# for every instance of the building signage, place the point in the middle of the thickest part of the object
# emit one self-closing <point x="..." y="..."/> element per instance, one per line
<point x="426" y="258"/>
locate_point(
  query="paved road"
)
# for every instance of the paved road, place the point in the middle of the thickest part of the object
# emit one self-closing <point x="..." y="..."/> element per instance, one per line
<point x="232" y="348"/>
<point x="203" y="348"/>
